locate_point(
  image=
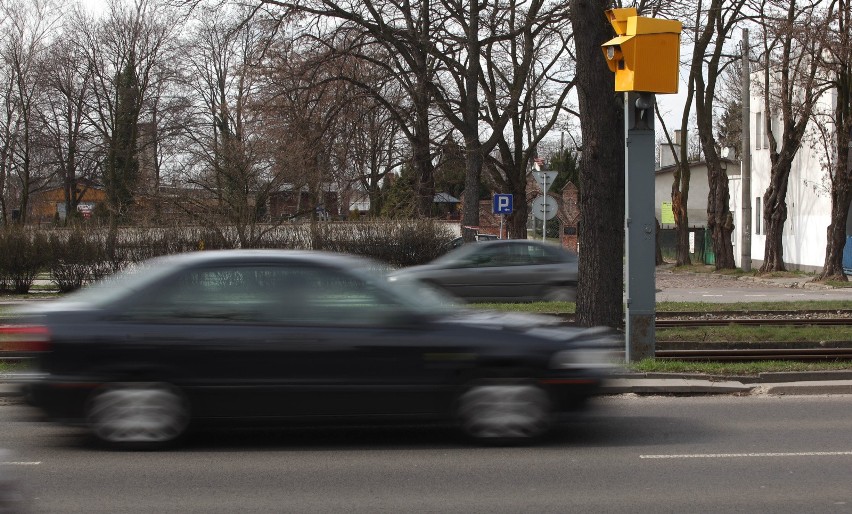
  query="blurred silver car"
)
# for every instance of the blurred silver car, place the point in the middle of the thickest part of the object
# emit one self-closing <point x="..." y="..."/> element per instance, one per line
<point x="455" y="243"/>
<point x="518" y="270"/>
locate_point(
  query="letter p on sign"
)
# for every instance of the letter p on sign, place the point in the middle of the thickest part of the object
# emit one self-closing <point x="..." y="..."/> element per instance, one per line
<point x="502" y="204"/>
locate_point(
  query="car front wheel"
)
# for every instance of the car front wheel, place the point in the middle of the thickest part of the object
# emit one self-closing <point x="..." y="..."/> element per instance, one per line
<point x="561" y="294"/>
<point x="138" y="415"/>
<point x="505" y="412"/>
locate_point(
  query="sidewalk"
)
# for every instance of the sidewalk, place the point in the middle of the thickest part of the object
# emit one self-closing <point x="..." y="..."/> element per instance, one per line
<point x="791" y="282"/>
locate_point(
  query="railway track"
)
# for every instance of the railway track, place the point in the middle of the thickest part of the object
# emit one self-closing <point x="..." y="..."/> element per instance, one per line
<point x="746" y="313"/>
<point x="687" y="319"/>
<point x="758" y="354"/>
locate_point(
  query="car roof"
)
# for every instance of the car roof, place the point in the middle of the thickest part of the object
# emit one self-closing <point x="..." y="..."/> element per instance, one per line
<point x="519" y="242"/>
<point x="237" y="255"/>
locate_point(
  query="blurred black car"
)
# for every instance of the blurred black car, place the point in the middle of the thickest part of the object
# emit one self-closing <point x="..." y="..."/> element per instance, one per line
<point x="295" y="336"/>
<point x="514" y="270"/>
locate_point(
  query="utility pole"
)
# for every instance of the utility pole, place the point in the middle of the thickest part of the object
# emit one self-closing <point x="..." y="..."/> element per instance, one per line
<point x="639" y="225"/>
<point x="745" y="160"/>
<point x="644" y="58"/>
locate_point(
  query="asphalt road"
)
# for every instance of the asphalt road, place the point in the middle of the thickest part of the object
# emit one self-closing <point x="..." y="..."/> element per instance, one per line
<point x="631" y="454"/>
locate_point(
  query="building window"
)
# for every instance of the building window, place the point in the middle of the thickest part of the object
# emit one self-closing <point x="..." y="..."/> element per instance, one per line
<point x="791" y="216"/>
<point x="771" y="126"/>
<point x="758" y="132"/>
<point x="758" y="215"/>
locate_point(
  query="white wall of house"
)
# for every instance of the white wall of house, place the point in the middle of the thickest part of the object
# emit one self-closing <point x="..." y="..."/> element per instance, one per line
<point x="808" y="195"/>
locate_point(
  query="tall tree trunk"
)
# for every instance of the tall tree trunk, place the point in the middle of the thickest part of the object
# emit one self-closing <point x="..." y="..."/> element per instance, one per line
<point x="720" y="220"/>
<point x="601" y="235"/>
<point x="836" y="232"/>
<point x="680" y="198"/>
<point x="775" y="215"/>
<point x="841" y="192"/>
<point x="841" y="183"/>
<point x="473" y="145"/>
<point x="420" y="146"/>
<point x="517" y="221"/>
<point x="473" y="171"/>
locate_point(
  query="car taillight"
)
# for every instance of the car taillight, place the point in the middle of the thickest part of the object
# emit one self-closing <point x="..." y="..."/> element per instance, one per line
<point x="24" y="339"/>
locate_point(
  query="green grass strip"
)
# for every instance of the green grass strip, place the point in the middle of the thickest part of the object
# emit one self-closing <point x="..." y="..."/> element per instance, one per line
<point x="735" y="368"/>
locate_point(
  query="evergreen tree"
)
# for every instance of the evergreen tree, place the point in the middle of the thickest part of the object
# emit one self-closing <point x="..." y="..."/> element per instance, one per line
<point x="121" y="168"/>
<point x="398" y="197"/>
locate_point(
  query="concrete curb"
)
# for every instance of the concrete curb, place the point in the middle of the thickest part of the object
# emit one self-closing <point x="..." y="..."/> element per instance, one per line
<point x="806" y="388"/>
<point x="673" y="386"/>
<point x="708" y="387"/>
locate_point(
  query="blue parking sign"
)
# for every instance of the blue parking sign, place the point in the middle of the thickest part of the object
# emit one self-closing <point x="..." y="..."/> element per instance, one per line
<point x="502" y="204"/>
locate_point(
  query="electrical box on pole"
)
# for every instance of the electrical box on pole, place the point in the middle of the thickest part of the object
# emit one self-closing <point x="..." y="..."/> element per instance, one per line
<point x="644" y="57"/>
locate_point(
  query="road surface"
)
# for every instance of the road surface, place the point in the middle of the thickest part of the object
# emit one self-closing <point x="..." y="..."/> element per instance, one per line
<point x="631" y="454"/>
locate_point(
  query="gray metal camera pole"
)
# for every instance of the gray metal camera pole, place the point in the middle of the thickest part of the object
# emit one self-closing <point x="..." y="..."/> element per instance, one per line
<point x="639" y="226"/>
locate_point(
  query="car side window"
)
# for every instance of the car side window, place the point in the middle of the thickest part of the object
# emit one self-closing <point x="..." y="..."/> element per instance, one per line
<point x="543" y="255"/>
<point x="489" y="256"/>
<point x="275" y="294"/>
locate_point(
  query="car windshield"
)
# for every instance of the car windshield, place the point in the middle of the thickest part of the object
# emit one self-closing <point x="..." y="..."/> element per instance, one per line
<point x="456" y="255"/>
<point x="119" y="285"/>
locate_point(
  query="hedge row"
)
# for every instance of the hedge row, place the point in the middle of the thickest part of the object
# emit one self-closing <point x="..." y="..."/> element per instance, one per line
<point x="75" y="257"/>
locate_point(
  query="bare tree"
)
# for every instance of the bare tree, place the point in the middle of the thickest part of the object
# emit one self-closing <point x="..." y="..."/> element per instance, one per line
<point x="404" y="31"/>
<point x="793" y="42"/>
<point x="370" y="148"/>
<point x="123" y="49"/>
<point x="30" y="26"/>
<point x="538" y="62"/>
<point x="227" y="167"/>
<point x="837" y="64"/>
<point x="721" y="19"/>
<point x="68" y="81"/>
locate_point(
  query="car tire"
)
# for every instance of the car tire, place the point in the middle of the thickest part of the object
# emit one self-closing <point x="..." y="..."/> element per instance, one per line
<point x="505" y="411"/>
<point x="561" y="294"/>
<point x="138" y="415"/>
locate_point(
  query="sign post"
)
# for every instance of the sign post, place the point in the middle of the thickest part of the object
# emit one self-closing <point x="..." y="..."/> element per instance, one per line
<point x="545" y="180"/>
<point x="501" y="204"/>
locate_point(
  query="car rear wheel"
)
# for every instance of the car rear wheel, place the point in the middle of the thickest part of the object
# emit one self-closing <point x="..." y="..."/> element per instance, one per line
<point x="138" y="415"/>
<point x="505" y="412"/>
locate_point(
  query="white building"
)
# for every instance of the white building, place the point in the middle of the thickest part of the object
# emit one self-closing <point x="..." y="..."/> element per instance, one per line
<point x="808" y="193"/>
<point x="699" y="189"/>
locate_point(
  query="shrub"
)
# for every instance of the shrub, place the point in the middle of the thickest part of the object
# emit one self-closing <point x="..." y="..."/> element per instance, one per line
<point x="22" y="257"/>
<point x="399" y="243"/>
<point x="76" y="260"/>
